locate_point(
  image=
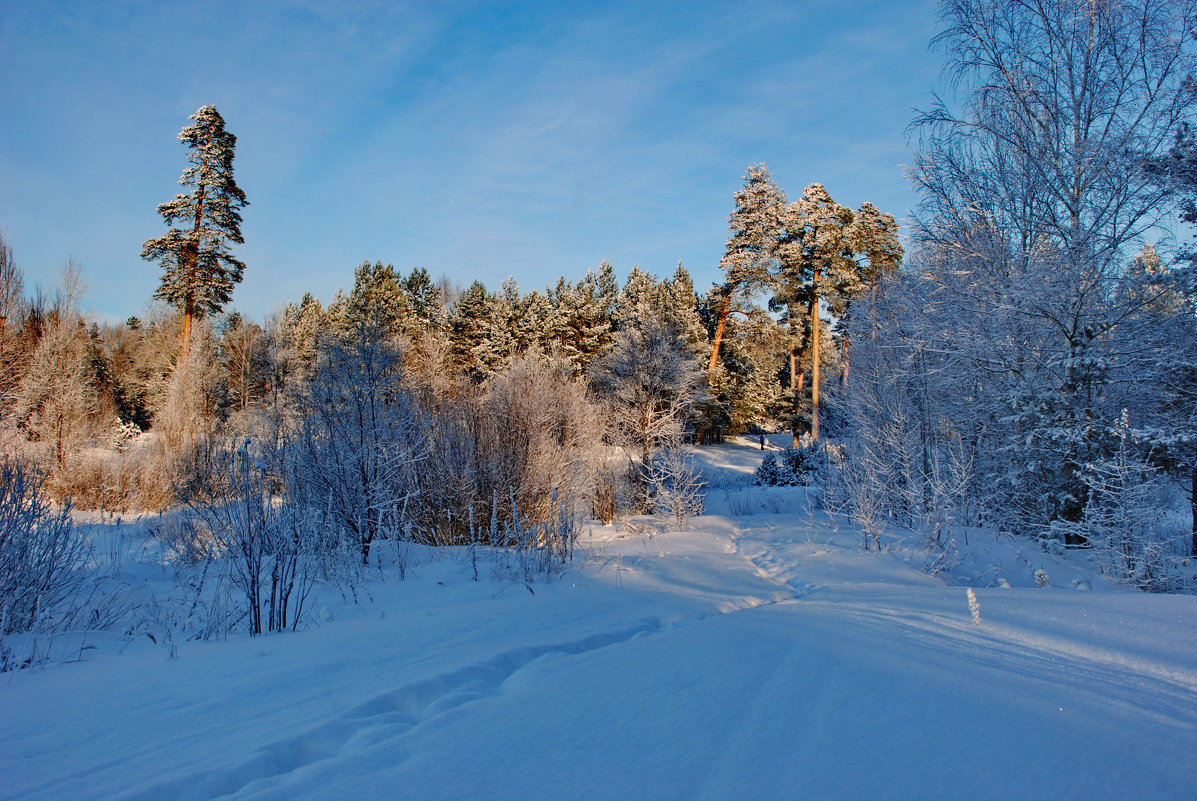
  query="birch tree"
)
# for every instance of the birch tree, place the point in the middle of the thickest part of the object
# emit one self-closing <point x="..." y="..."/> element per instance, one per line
<point x="1035" y="196"/>
<point x="57" y="399"/>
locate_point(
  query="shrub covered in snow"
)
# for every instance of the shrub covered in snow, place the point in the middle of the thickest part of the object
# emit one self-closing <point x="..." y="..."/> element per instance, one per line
<point x="40" y="555"/>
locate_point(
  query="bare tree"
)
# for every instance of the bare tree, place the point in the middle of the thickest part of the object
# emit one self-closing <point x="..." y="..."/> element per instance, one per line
<point x="361" y="437"/>
<point x="12" y="313"/>
<point x="58" y="398"/>
<point x="1034" y="191"/>
<point x="245" y="359"/>
<point x="41" y="556"/>
<point x="538" y="434"/>
<point x="648" y="382"/>
<point x="194" y="395"/>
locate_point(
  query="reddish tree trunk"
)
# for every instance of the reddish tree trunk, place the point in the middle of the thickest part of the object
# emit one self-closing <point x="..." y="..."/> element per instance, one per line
<point x="724" y="311"/>
<point x="814" y="360"/>
<point x="189" y="303"/>
<point x="847" y="361"/>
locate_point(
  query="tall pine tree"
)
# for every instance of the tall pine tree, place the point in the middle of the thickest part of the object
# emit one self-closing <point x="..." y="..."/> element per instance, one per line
<point x="199" y="269"/>
<point x="750" y="257"/>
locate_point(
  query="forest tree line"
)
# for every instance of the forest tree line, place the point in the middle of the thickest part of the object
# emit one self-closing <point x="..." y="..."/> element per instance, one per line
<point x="1028" y="361"/>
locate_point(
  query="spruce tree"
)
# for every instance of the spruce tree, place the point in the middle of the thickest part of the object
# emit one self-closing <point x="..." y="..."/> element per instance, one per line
<point x="199" y="269"/>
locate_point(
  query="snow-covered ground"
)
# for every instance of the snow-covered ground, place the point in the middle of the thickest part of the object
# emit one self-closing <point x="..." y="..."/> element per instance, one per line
<point x="760" y="654"/>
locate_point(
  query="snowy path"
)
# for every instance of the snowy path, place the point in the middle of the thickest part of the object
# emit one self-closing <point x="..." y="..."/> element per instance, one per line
<point x="757" y="656"/>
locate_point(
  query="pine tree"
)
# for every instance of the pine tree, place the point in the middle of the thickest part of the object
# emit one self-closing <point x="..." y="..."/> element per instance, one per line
<point x="744" y="387"/>
<point x="303" y="325"/>
<point x="815" y="257"/>
<point x="608" y="286"/>
<point x="377" y="301"/>
<point x="635" y="301"/>
<point x="536" y="324"/>
<point x="679" y="307"/>
<point x="423" y="300"/>
<point x="873" y="238"/>
<point x="750" y="256"/>
<point x="200" y="271"/>
<point x="465" y="324"/>
<point x="582" y="322"/>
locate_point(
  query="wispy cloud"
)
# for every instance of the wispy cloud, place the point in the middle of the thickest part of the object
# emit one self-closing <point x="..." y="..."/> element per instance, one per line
<point x="480" y="139"/>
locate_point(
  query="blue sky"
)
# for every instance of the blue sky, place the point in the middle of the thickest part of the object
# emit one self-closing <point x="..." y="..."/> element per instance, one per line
<point x="478" y="140"/>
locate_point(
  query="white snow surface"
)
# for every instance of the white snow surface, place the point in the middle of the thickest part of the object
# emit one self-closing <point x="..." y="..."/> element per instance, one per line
<point x="760" y="654"/>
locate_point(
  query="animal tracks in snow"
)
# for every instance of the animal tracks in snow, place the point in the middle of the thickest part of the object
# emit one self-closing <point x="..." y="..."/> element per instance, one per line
<point x="383" y="717"/>
<point x="774" y="567"/>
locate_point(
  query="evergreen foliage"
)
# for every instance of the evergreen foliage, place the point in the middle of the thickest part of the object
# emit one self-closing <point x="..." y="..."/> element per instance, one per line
<point x="792" y="467"/>
<point x="199" y="268"/>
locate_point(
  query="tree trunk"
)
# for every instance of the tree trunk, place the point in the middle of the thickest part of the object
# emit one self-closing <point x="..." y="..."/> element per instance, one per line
<point x="794" y="387"/>
<point x="847" y="360"/>
<point x="798" y="388"/>
<point x="59" y="456"/>
<point x="189" y="303"/>
<point x="814" y="359"/>
<point x="724" y="311"/>
<point x="187" y="318"/>
<point x="1193" y="503"/>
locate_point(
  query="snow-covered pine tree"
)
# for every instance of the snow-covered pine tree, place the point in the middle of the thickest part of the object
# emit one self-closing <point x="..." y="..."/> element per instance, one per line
<point x="635" y="302"/>
<point x="199" y="268"/>
<point x="750" y="255"/>
<point x="583" y="316"/>
<point x="534" y="324"/>
<point x="377" y="301"/>
<point x="607" y="287"/>
<point x="469" y="326"/>
<point x="568" y="326"/>
<point x="814" y="258"/>
<point x="878" y="253"/>
<point x="424" y="302"/>
<point x="500" y="328"/>
<point x="679" y="307"/>
<point x="304" y="324"/>
<point x="743" y="388"/>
